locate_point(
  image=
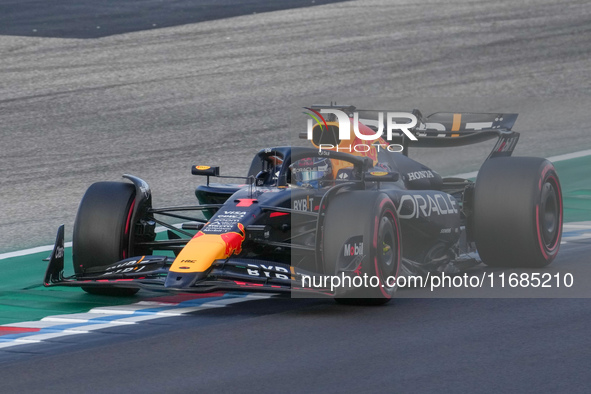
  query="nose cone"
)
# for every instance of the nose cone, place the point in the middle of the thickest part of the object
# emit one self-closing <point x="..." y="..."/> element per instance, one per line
<point x="196" y="258"/>
<point x="199" y="254"/>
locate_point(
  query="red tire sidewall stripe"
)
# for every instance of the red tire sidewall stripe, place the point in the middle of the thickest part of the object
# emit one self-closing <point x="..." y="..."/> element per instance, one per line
<point x="553" y="250"/>
<point x="375" y="242"/>
<point x="127" y="224"/>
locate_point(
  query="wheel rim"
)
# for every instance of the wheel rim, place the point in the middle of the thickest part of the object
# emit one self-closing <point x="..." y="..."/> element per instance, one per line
<point x="550" y="215"/>
<point x="387" y="248"/>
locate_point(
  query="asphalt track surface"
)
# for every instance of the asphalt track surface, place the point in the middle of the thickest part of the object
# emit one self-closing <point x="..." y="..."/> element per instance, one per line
<point x="153" y="102"/>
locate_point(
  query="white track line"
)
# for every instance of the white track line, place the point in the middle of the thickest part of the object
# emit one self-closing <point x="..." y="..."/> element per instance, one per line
<point x="553" y="159"/>
<point x="49" y="248"/>
<point x="26" y="252"/>
<point x="568" y="156"/>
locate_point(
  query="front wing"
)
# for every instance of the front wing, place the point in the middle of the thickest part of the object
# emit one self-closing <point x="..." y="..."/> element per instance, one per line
<point x="150" y="272"/>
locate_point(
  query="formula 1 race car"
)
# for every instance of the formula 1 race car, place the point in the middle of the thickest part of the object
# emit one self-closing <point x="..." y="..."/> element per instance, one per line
<point x="307" y="212"/>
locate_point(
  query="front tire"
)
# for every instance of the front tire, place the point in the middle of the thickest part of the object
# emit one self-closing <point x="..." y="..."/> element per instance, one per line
<point x="101" y="231"/>
<point x="517" y="212"/>
<point x="373" y="216"/>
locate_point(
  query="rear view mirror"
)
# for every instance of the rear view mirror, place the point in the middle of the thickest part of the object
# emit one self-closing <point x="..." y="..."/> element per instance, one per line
<point x="205" y="170"/>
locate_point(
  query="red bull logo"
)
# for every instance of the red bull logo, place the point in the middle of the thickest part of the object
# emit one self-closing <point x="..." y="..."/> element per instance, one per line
<point x="205" y="248"/>
<point x="234" y="240"/>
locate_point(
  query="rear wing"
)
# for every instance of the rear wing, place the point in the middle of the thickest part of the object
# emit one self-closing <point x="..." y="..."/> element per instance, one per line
<point x="464" y="123"/>
<point x="438" y="130"/>
<point x="447" y="129"/>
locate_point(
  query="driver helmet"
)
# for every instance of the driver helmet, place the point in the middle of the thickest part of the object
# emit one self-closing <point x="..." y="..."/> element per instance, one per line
<point x="314" y="172"/>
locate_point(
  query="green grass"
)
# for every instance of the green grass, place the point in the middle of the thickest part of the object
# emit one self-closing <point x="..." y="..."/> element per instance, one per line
<point x="575" y="180"/>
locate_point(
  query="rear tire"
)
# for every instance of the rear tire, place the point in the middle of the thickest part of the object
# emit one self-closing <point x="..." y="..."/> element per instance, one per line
<point x="517" y="212"/>
<point x="372" y="215"/>
<point x="101" y="231"/>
